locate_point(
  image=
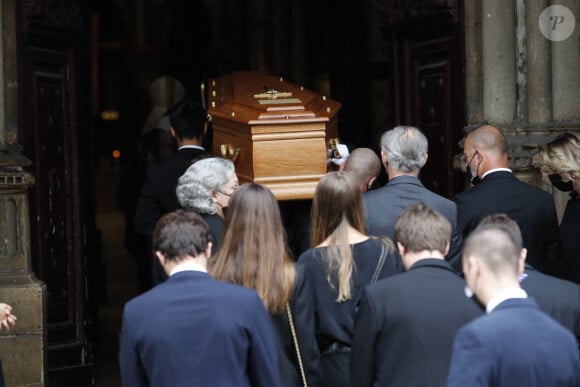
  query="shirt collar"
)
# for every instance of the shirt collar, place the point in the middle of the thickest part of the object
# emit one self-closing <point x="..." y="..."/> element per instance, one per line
<point x="495" y="170"/>
<point x="505" y="295"/>
<point x="191" y="147"/>
<point x="188" y="266"/>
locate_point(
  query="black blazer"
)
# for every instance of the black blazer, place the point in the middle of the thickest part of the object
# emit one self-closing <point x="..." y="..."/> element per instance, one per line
<point x="532" y="208"/>
<point x="406" y="324"/>
<point x="558" y="298"/>
<point x="158" y="195"/>
<point x="570" y="236"/>
<point x="383" y="206"/>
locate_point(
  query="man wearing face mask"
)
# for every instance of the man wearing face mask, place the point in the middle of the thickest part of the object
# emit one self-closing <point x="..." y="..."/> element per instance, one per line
<point x="497" y="190"/>
<point x="515" y="344"/>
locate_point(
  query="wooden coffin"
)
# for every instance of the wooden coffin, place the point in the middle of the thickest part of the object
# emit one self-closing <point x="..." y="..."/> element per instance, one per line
<point x="278" y="133"/>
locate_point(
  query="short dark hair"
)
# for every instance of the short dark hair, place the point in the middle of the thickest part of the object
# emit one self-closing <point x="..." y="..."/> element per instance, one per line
<point x="180" y="234"/>
<point x="495" y="247"/>
<point x="188" y="119"/>
<point x="504" y="222"/>
<point x="420" y="228"/>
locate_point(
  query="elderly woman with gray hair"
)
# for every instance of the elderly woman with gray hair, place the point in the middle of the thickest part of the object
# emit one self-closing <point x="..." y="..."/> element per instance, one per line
<point x="206" y="188"/>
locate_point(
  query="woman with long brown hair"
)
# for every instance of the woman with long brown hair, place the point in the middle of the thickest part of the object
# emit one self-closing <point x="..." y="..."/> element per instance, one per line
<point x="342" y="262"/>
<point x="254" y="254"/>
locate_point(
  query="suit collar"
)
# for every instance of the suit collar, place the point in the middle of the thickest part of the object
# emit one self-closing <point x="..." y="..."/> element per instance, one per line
<point x="188" y="275"/>
<point x="516" y="303"/>
<point x="432" y="262"/>
<point x="404" y="179"/>
<point x="502" y="174"/>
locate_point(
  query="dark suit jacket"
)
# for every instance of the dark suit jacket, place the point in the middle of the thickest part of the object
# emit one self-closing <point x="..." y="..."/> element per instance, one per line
<point x="558" y="298"/>
<point x="383" y="206"/>
<point x="532" y="208"/>
<point x="193" y="330"/>
<point x="570" y="234"/>
<point x="158" y="193"/>
<point x="406" y="324"/>
<point x="515" y="345"/>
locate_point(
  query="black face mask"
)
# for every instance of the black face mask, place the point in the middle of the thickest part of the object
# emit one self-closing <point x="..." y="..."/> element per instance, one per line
<point x="557" y="182"/>
<point x="474" y="179"/>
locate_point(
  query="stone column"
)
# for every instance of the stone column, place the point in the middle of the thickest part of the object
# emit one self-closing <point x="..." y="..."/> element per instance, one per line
<point x="498" y="61"/>
<point x="566" y="71"/>
<point x="22" y="349"/>
<point x="539" y="66"/>
<point x="473" y="86"/>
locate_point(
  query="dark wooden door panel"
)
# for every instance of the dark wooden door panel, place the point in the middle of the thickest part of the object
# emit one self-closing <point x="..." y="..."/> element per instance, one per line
<point x="428" y="81"/>
<point x="52" y="76"/>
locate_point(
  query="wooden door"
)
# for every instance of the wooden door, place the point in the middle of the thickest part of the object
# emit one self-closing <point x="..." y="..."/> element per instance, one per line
<point x="429" y="86"/>
<point x="56" y="137"/>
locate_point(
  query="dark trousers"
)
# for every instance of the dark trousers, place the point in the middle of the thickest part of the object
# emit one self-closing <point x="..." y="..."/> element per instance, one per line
<point x="1" y="375"/>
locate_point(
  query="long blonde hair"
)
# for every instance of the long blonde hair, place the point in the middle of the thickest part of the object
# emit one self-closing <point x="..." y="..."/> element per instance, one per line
<point x="253" y="251"/>
<point x="337" y="204"/>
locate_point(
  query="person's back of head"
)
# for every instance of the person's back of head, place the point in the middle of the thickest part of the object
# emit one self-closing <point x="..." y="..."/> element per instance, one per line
<point x="337" y="199"/>
<point x="336" y="210"/>
<point x="404" y="148"/>
<point x="188" y="120"/>
<point x="504" y="222"/>
<point x="422" y="229"/>
<point x="201" y="180"/>
<point x="181" y="234"/>
<point x="488" y="147"/>
<point x="253" y="250"/>
<point x="494" y="248"/>
<point x="365" y="166"/>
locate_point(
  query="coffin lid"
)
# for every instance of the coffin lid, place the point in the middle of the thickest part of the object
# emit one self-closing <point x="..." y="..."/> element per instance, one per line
<point x="256" y="98"/>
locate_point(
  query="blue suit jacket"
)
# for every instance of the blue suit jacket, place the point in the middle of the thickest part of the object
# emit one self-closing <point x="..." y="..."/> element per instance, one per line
<point x="193" y="330"/>
<point x="515" y="345"/>
<point x="383" y="206"/>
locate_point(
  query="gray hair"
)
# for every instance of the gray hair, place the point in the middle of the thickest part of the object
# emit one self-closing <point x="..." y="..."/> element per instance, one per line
<point x="204" y="177"/>
<point x="405" y="148"/>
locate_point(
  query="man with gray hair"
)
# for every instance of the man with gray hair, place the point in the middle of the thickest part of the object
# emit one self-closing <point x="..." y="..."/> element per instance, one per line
<point x="404" y="153"/>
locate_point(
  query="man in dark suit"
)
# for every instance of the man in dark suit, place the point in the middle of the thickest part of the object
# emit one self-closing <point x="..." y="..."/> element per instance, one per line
<point x="188" y="127"/>
<point x="406" y="323"/>
<point x="558" y="298"/>
<point x="499" y="191"/>
<point x="515" y="344"/>
<point x="193" y="330"/>
<point x="404" y="153"/>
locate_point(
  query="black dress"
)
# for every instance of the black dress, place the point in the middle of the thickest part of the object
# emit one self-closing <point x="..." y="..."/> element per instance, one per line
<point x="302" y="306"/>
<point x="335" y="320"/>
<point x="570" y="239"/>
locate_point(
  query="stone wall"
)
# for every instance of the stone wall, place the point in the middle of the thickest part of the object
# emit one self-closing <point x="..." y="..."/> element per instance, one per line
<point x="519" y="80"/>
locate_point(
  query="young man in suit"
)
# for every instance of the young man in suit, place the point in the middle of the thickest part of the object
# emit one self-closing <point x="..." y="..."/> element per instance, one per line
<point x="188" y="127"/>
<point x="404" y="153"/>
<point x="499" y="191"/>
<point x="559" y="298"/>
<point x="515" y="344"/>
<point x="193" y="330"/>
<point x="406" y="323"/>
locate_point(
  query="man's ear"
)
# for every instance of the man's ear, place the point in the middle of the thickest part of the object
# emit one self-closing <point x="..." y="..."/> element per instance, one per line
<point x="447" y="248"/>
<point x="383" y="157"/>
<point x="522" y="261"/>
<point x="172" y="132"/>
<point x="401" y="248"/>
<point x="161" y="258"/>
<point x="207" y="251"/>
<point x="371" y="181"/>
<point x="205" y="129"/>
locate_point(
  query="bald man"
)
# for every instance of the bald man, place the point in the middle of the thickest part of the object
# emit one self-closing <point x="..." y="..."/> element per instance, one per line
<point x="497" y="190"/>
<point x="365" y="166"/>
